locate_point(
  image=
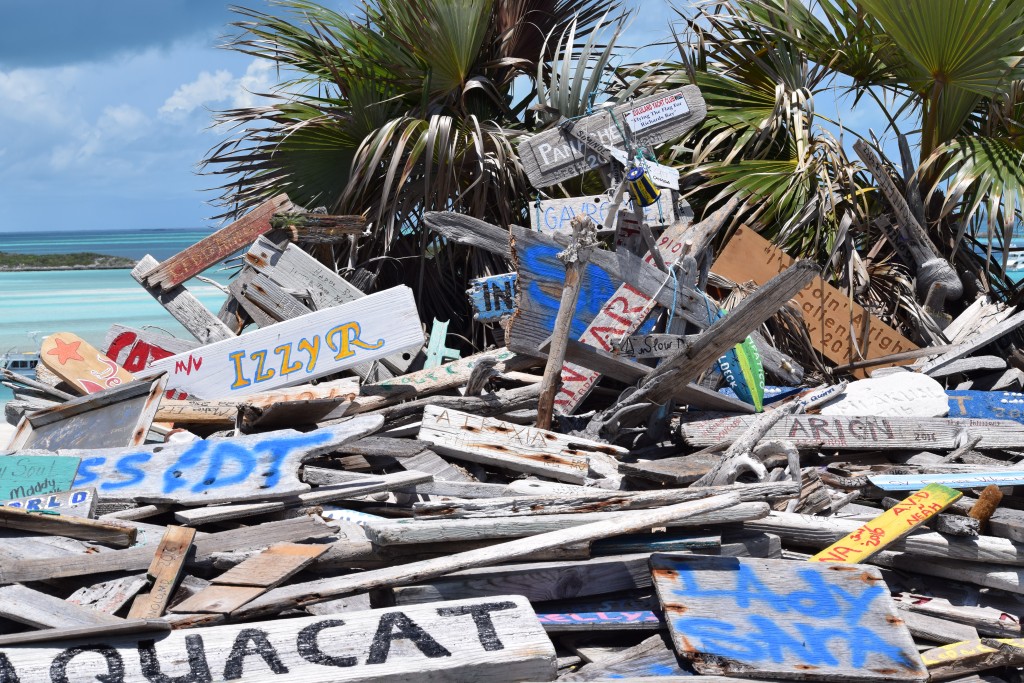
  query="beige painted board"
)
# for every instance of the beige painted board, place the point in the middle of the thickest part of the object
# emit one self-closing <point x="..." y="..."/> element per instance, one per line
<point x="486" y="639"/>
<point x="301" y="349"/>
<point x="80" y="364"/>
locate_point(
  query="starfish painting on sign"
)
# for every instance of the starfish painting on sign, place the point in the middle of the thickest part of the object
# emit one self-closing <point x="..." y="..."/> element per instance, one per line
<point x="301" y="349"/>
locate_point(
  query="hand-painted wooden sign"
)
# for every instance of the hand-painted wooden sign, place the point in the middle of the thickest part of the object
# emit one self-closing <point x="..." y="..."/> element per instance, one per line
<point x="554" y="215"/>
<point x="481" y="639"/>
<point x="826" y="311"/>
<point x="207" y="471"/>
<point x="510" y="446"/>
<point x="492" y="297"/>
<point x="994" y="405"/>
<point x="24" y="476"/>
<point x="301" y="349"/>
<point x="908" y="394"/>
<point x="960" y="480"/>
<point x="78" y="363"/>
<point x="217" y="246"/>
<point x="781" y="619"/>
<point x="890" y="526"/>
<point x="640" y="346"/>
<point x="76" y="503"/>
<point x="660" y="175"/>
<point x="861" y="433"/>
<point x="135" y="349"/>
<point x="557" y="154"/>
<point x="963" y="650"/>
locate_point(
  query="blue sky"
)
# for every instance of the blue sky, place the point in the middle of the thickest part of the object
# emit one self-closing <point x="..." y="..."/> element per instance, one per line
<point x="105" y="107"/>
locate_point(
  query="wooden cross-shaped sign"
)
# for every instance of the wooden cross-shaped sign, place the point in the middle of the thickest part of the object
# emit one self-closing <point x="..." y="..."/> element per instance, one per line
<point x="567" y="151"/>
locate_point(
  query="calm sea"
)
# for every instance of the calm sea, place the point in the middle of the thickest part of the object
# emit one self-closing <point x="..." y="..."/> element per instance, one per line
<point x="88" y="302"/>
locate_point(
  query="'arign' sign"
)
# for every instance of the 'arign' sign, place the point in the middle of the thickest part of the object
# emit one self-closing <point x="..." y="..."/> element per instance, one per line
<point x="298" y="350"/>
<point x="480" y="639"/>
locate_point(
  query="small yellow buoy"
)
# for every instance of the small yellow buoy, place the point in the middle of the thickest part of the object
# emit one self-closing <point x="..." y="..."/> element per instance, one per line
<point x="643" y="190"/>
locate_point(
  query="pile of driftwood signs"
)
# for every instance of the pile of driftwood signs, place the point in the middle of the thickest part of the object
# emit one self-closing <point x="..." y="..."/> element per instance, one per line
<point x="617" y="492"/>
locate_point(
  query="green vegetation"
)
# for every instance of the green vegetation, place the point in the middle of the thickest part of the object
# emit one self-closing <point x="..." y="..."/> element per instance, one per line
<point x="82" y="260"/>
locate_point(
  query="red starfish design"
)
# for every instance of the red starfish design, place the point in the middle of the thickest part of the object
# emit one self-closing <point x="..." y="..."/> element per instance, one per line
<point x="65" y="351"/>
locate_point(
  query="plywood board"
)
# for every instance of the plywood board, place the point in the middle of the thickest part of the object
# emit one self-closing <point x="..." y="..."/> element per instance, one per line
<point x="470" y="640"/>
<point x="890" y="526"/>
<point x="165" y="570"/>
<point x="827" y="312"/>
<point x="783" y="619"/>
<point x="248" y="467"/>
<point x="298" y="350"/>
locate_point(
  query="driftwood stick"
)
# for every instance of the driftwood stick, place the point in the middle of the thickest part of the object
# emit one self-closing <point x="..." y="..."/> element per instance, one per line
<point x="575" y="258"/>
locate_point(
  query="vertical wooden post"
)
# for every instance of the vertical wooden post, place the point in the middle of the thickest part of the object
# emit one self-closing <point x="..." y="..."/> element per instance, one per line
<point x="575" y="258"/>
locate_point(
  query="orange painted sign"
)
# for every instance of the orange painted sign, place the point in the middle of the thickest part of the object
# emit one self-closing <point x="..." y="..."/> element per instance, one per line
<point x="890" y="526"/>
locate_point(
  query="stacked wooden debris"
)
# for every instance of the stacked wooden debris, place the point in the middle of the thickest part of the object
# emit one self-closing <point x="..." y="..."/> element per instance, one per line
<point x="612" y="494"/>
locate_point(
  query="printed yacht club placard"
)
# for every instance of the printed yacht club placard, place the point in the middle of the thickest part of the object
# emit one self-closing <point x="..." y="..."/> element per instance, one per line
<point x="301" y="349"/>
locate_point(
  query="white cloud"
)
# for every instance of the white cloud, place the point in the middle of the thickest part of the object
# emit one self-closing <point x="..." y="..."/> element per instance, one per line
<point x="36" y="96"/>
<point x="116" y="125"/>
<point x="220" y="87"/>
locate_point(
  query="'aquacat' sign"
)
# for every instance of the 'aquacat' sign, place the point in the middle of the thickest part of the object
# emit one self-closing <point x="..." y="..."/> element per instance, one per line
<point x="298" y="350"/>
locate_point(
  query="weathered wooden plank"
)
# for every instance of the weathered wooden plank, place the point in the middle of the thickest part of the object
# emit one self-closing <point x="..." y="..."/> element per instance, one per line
<point x="184" y="307"/>
<point x="116" y="534"/>
<point x="409" y="531"/>
<point x="164" y="571"/>
<point x="294" y="269"/>
<point x="295" y="351"/>
<point x="317" y="228"/>
<point x="986" y="620"/>
<point x="120" y="416"/>
<point x="591" y="500"/>
<point x="935" y="629"/>
<point x="622" y="522"/>
<point x="251" y="578"/>
<point x="855" y="433"/>
<point x="890" y="526"/>
<point x="109" y="596"/>
<point x="39" y="610"/>
<point x="487" y="639"/>
<point x="492" y="297"/>
<point x="216" y="247"/>
<point x="216" y="470"/>
<point x="73" y="503"/>
<point x="139" y="558"/>
<point x="22" y="476"/>
<point x="556" y="155"/>
<point x="509" y="446"/>
<point x="958" y="659"/>
<point x="134" y="349"/>
<point x="826" y="311"/>
<point x="771" y="617"/>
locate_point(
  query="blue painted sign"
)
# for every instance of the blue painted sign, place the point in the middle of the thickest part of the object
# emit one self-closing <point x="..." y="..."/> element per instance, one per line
<point x="777" y="618"/>
<point x="958" y="480"/>
<point x="492" y="297"/>
<point x="595" y="621"/>
<point x="997" y="405"/>
<point x="212" y="470"/>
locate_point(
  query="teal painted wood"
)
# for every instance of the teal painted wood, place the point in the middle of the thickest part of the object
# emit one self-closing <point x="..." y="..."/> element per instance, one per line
<point x="437" y="352"/>
<point x="960" y="480"/>
<point x="23" y="476"/>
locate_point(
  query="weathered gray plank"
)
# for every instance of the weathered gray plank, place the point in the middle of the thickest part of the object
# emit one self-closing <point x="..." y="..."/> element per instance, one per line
<point x="185" y="307"/>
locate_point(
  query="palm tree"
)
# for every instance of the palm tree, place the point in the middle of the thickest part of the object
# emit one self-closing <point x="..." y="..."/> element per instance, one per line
<point x="412" y="106"/>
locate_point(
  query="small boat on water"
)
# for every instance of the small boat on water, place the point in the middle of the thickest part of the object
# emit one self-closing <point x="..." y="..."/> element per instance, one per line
<point x="21" y="363"/>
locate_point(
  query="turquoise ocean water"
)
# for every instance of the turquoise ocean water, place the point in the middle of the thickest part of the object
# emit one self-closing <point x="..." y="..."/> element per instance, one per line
<point x="88" y="302"/>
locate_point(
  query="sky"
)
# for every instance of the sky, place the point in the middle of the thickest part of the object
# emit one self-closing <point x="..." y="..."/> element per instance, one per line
<point x="106" y="107"/>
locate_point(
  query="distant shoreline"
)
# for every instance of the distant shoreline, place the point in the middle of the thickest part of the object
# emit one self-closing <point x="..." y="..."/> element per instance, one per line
<point x="18" y="263"/>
